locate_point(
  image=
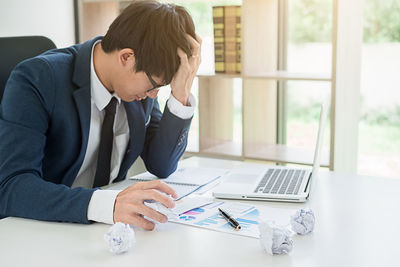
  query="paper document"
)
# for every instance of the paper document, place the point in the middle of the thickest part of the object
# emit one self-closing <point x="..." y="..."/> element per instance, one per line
<point x="182" y="206"/>
<point x="185" y="180"/>
<point x="190" y="203"/>
<point x="247" y="215"/>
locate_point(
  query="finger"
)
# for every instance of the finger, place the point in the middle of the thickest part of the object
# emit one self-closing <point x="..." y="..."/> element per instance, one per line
<point x="136" y="219"/>
<point x="195" y="59"/>
<point x="159" y="185"/>
<point x="199" y="40"/>
<point x="142" y="222"/>
<point x="184" y="58"/>
<point x="194" y="62"/>
<point x="185" y="68"/>
<point x="150" y="213"/>
<point x="195" y="45"/>
<point x="151" y="194"/>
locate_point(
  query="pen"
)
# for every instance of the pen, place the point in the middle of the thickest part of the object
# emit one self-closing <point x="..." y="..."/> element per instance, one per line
<point x="230" y="220"/>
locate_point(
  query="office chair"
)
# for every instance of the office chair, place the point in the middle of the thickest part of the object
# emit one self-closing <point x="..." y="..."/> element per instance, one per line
<point x="16" y="49"/>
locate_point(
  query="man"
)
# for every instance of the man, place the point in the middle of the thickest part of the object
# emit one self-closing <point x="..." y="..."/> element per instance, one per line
<point x="77" y="118"/>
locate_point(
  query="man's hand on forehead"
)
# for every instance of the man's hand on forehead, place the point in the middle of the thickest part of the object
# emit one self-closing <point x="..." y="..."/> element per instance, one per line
<point x="182" y="82"/>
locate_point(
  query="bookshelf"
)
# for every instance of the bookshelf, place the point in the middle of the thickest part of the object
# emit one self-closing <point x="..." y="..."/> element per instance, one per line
<point x="259" y="85"/>
<point x="276" y="75"/>
<point x="259" y="80"/>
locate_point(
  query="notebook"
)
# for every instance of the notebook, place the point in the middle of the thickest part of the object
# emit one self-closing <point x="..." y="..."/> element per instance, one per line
<point x="184" y="181"/>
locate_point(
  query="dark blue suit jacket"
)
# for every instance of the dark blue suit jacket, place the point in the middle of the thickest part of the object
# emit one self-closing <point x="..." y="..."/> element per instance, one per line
<point x="44" y="130"/>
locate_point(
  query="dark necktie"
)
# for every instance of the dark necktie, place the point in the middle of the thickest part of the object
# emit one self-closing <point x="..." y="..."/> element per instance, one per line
<point x="103" y="168"/>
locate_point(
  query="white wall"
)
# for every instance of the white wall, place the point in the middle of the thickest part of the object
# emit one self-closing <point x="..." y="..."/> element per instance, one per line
<point x="51" y="18"/>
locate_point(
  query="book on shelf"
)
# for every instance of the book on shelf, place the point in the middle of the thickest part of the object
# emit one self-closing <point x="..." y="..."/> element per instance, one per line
<point x="219" y="42"/>
<point x="227" y="39"/>
<point x="238" y="39"/>
<point x="230" y="39"/>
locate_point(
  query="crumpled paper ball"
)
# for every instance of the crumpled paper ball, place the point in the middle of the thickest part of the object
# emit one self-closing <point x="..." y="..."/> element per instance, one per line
<point x="275" y="239"/>
<point x="303" y="221"/>
<point x="120" y="238"/>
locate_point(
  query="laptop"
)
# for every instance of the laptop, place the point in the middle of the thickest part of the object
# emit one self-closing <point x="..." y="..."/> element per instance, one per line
<point x="275" y="183"/>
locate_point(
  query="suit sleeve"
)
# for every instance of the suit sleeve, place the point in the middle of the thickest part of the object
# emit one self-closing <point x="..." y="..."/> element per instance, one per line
<point x="25" y="114"/>
<point x="166" y="140"/>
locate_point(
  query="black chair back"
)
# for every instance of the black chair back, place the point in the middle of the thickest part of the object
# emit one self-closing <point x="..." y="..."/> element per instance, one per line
<point x="16" y="49"/>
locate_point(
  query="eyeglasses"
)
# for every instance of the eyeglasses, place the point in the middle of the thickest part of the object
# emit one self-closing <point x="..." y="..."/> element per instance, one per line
<point x="155" y="85"/>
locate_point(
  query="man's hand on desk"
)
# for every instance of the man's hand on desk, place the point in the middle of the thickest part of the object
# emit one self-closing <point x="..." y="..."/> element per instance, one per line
<point x="129" y="205"/>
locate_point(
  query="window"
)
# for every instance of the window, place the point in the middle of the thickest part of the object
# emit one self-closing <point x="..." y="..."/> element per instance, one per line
<point x="379" y="126"/>
<point x="250" y="132"/>
<point x="309" y="36"/>
<point x="307" y="48"/>
<point x="288" y="51"/>
<point x="303" y="109"/>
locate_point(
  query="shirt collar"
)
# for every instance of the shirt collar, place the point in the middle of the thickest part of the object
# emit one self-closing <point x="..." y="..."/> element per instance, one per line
<point x="100" y="95"/>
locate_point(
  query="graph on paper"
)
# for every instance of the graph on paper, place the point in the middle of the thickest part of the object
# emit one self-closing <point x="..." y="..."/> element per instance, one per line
<point x="247" y="215"/>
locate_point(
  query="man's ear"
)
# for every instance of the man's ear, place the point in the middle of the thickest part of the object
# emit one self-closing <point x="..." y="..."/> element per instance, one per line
<point x="126" y="57"/>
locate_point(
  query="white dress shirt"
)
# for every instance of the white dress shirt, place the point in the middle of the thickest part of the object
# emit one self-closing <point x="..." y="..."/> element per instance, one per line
<point x="101" y="205"/>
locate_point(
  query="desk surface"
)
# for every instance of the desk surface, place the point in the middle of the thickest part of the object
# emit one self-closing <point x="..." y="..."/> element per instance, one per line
<point x="357" y="224"/>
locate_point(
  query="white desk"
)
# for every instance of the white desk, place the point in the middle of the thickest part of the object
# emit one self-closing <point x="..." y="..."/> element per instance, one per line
<point x="357" y="224"/>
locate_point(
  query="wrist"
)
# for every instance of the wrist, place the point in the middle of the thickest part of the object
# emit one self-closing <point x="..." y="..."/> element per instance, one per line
<point x="115" y="203"/>
<point x="101" y="206"/>
<point x="182" y="99"/>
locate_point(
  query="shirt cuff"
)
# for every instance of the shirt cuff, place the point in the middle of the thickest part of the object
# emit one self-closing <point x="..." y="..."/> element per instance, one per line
<point x="179" y="110"/>
<point x="101" y="206"/>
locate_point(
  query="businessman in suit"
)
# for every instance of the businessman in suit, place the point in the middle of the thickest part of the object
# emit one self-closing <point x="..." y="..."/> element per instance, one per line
<point x="75" y="119"/>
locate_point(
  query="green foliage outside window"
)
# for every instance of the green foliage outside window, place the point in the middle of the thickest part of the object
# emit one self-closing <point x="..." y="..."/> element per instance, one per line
<point x="381" y="21"/>
<point x="201" y="12"/>
<point x="311" y="21"/>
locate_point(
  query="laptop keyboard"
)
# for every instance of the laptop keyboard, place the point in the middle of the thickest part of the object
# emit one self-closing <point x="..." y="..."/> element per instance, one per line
<point x="281" y="181"/>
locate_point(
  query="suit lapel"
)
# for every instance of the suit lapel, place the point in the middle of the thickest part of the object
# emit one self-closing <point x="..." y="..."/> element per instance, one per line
<point x="81" y="78"/>
<point x="82" y="101"/>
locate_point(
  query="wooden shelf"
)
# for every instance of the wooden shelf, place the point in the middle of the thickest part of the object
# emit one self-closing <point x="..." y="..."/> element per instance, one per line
<point x="99" y="1"/>
<point x="228" y="148"/>
<point x="220" y="75"/>
<point x="284" y="75"/>
<point x="272" y="153"/>
<point x="276" y="75"/>
<point x="285" y="154"/>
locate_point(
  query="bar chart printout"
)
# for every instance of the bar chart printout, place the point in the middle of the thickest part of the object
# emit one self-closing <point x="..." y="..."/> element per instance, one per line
<point x="247" y="215"/>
